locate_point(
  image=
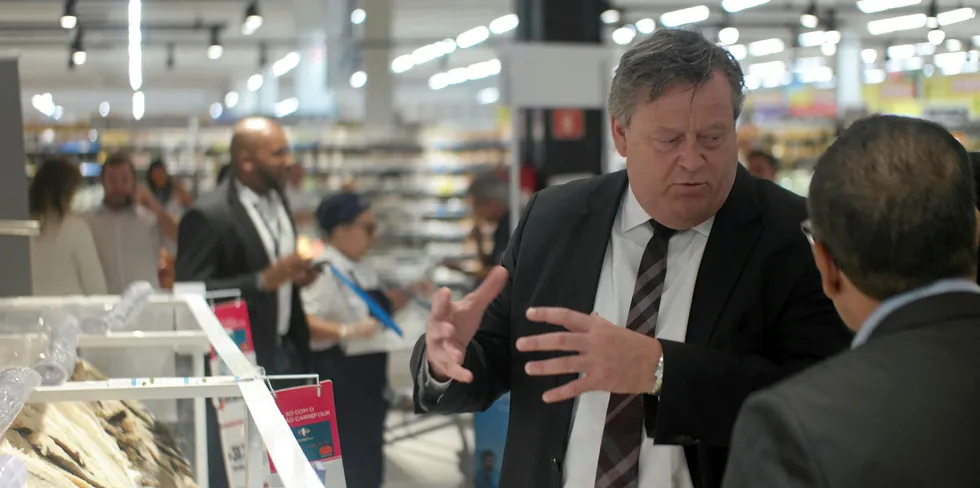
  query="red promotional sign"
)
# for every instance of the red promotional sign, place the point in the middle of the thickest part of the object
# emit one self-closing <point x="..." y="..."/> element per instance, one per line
<point x="567" y="124"/>
<point x="234" y="318"/>
<point x="309" y="411"/>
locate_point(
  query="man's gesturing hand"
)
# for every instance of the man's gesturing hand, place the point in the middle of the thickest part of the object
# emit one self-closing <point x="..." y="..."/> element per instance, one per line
<point x="613" y="359"/>
<point x="453" y="324"/>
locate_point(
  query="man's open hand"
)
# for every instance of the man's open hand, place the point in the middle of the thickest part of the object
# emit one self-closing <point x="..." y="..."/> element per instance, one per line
<point x="609" y="358"/>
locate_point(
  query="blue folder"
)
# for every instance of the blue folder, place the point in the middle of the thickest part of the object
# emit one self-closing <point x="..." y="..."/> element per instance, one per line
<point x="375" y="309"/>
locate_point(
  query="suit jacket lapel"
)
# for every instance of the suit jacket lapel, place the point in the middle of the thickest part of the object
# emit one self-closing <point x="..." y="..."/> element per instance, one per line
<point x="733" y="235"/>
<point x="254" y="248"/>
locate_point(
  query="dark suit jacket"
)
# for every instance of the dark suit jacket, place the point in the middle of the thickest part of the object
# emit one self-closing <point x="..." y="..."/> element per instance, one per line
<point x="217" y="243"/>
<point x="758" y="315"/>
<point x="900" y="411"/>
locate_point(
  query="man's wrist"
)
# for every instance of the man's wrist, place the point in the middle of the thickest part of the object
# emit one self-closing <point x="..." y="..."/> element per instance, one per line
<point x="658" y="381"/>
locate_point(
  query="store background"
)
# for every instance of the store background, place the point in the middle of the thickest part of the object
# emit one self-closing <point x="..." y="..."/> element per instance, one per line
<point x="406" y="100"/>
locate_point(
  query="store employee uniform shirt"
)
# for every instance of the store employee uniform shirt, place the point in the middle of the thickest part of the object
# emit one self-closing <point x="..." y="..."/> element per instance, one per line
<point x="271" y="221"/>
<point x="129" y="243"/>
<point x="332" y="300"/>
<point x="660" y="466"/>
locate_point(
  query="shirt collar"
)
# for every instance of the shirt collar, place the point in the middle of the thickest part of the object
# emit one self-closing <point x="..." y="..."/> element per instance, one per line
<point x="338" y="259"/>
<point x="898" y="301"/>
<point x="248" y="195"/>
<point x="634" y="216"/>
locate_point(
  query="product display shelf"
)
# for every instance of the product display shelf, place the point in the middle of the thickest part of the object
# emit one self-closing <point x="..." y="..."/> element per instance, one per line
<point x="198" y="331"/>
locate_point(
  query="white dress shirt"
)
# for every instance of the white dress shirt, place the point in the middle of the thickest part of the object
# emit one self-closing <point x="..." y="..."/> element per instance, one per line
<point x="271" y="221"/>
<point x="330" y="299"/>
<point x="660" y="466"/>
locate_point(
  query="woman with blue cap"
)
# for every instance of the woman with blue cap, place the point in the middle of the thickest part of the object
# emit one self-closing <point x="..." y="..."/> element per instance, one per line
<point x="339" y="314"/>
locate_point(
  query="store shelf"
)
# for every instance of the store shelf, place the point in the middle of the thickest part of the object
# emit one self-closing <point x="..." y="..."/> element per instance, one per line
<point x="184" y="341"/>
<point x="139" y="389"/>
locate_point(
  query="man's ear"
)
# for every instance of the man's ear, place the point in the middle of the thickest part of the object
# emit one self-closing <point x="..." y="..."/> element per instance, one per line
<point x="619" y="135"/>
<point x="831" y="278"/>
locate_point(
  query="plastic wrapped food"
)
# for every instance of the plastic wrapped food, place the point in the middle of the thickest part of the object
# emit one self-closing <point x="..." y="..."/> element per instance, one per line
<point x="131" y="303"/>
<point x="58" y="363"/>
<point x="16" y="384"/>
<point x="13" y="472"/>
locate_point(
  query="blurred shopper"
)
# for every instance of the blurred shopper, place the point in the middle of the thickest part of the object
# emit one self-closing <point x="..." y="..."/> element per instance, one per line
<point x="168" y="191"/>
<point x="223" y="173"/>
<point x="63" y="257"/>
<point x="303" y="203"/>
<point x="679" y="286"/>
<point x="130" y="227"/>
<point x="763" y="165"/>
<point x="489" y="197"/>
<point x="893" y="222"/>
<point x="975" y="163"/>
<point x="241" y="237"/>
<point x="337" y="315"/>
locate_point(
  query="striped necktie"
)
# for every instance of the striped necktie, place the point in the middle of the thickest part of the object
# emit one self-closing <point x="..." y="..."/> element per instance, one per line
<point x="619" y="454"/>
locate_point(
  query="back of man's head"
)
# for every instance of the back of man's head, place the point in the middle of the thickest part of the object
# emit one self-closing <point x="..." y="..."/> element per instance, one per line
<point x="893" y="202"/>
<point x="488" y="188"/>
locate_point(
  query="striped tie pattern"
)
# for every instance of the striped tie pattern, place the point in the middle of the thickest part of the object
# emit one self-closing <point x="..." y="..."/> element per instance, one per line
<point x="619" y="454"/>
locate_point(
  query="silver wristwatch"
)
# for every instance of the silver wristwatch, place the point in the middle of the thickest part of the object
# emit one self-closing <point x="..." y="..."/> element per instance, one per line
<point x="660" y="376"/>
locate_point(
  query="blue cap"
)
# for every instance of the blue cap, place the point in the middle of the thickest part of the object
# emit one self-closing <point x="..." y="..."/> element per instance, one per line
<point x="340" y="209"/>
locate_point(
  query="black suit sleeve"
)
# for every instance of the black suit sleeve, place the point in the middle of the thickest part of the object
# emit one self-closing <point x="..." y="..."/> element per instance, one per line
<point x="198" y="253"/>
<point x="487" y="355"/>
<point x="704" y="388"/>
<point x="769" y="448"/>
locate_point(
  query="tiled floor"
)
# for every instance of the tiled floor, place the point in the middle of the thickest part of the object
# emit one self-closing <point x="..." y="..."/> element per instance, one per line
<point x="426" y="452"/>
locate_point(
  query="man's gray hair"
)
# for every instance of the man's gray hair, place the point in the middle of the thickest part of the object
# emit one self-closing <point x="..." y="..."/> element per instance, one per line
<point x="489" y="187"/>
<point x="665" y="59"/>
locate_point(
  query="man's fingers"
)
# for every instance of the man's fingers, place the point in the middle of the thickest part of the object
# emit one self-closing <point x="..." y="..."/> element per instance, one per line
<point x="440" y="330"/>
<point x="569" y="319"/>
<point x="458" y="373"/>
<point x="442" y="304"/>
<point x="556" y="341"/>
<point x="550" y="367"/>
<point x="568" y="391"/>
<point x="490" y="288"/>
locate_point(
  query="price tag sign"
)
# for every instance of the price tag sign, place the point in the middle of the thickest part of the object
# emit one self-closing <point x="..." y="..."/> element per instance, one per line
<point x="232" y="423"/>
<point x="234" y="319"/>
<point x="309" y="411"/>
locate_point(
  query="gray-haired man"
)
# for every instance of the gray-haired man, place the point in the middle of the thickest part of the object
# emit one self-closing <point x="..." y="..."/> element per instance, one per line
<point x="635" y="311"/>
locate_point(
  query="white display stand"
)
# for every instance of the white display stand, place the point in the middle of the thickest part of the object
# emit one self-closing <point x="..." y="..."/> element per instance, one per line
<point x="199" y="331"/>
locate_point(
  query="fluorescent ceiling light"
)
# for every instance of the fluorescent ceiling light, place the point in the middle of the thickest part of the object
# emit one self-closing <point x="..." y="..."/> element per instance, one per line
<point x="728" y="36"/>
<point x="286" y="107"/>
<point x="58" y="112"/>
<point x="215" y="51"/>
<point x="488" y="96"/>
<point x="819" y="74"/>
<point x="215" y="110"/>
<point x="68" y="21"/>
<point x="610" y="16"/>
<point x="869" y="55"/>
<point x="402" y="63"/>
<point x="925" y="49"/>
<point x="646" y="26"/>
<point x="624" y="35"/>
<point x="732" y="6"/>
<point x="953" y="59"/>
<point x="231" y="99"/>
<point x="358" y="16"/>
<point x="286" y="64"/>
<point x="738" y="51"/>
<point x="812" y="38"/>
<point x="956" y="16"/>
<point x="472" y="37"/>
<point x="936" y="36"/>
<point x="767" y="69"/>
<point x="139" y="107"/>
<point x="358" y="79"/>
<point x="874" y="76"/>
<point x="104" y="109"/>
<point x="504" y="24"/>
<point x="901" y="51"/>
<point x="79" y="57"/>
<point x="766" y="47"/>
<point x="895" y="24"/>
<point x="874" y="6"/>
<point x="828" y="49"/>
<point x="44" y="103"/>
<point x="254" y="82"/>
<point x="691" y="15"/>
<point x="135" y="14"/>
<point x="456" y="76"/>
<point x="438" y="81"/>
<point x="954" y="45"/>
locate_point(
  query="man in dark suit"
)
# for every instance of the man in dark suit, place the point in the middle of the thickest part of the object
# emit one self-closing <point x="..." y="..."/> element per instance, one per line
<point x="894" y="232"/>
<point x="635" y="311"/>
<point x="241" y="236"/>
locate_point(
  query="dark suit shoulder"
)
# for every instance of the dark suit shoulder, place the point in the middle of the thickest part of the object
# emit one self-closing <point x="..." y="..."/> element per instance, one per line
<point x="889" y="401"/>
<point x="576" y="193"/>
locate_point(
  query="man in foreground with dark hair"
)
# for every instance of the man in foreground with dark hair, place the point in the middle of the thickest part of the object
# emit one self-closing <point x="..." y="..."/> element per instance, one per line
<point x="894" y="234"/>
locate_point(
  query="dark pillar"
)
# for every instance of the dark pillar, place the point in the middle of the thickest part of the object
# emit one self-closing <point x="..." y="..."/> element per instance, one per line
<point x="15" y="251"/>
<point x="561" y="140"/>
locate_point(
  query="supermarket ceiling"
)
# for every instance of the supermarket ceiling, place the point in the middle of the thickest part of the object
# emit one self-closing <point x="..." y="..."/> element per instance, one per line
<point x="176" y="35"/>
